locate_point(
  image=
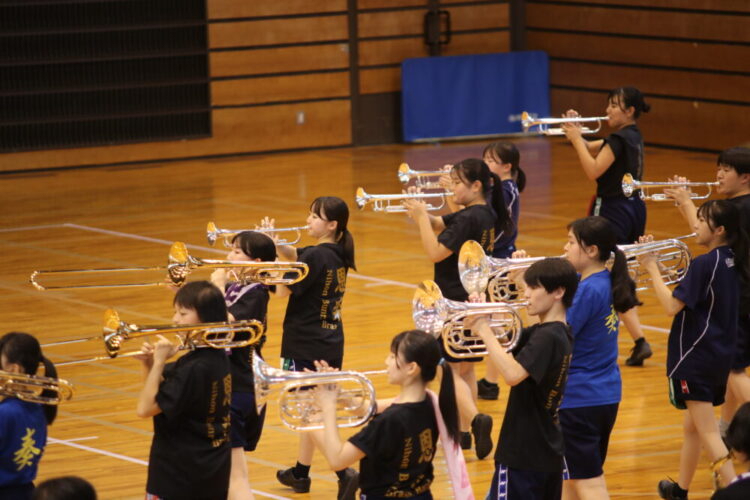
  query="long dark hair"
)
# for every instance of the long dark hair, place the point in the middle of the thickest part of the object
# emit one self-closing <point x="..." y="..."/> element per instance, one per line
<point x="24" y="349"/>
<point x="333" y="208"/>
<point x="205" y="298"/>
<point x="421" y="348"/>
<point x="725" y="213"/>
<point x="507" y="152"/>
<point x="598" y="231"/>
<point x="255" y="245"/>
<point x="738" y="434"/>
<point x="474" y="169"/>
<point x="630" y="96"/>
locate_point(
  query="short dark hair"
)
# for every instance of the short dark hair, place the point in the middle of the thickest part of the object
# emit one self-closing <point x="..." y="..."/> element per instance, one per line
<point x="553" y="273"/>
<point x="256" y="245"/>
<point x="64" y="488"/>
<point x="738" y="158"/>
<point x="205" y="298"/>
<point x="630" y="96"/>
<point x="738" y="434"/>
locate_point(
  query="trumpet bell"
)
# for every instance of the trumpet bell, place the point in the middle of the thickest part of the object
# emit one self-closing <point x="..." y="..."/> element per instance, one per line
<point x="34" y="389"/>
<point x="543" y="124"/>
<point x="630" y="185"/>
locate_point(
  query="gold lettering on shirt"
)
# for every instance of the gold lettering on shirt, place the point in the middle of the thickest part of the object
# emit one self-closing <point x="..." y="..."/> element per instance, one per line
<point x="611" y="320"/>
<point x="487" y="240"/>
<point x="341" y="278"/>
<point x="227" y="390"/>
<point x="327" y="284"/>
<point x="324" y="308"/>
<point x="407" y="453"/>
<point x="24" y="456"/>
<point x="425" y="443"/>
<point x="214" y="396"/>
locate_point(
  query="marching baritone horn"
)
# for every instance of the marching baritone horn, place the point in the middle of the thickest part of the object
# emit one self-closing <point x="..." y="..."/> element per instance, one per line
<point x="391" y="203"/>
<point x="630" y="185"/>
<point x="213" y="233"/>
<point x="444" y="318"/>
<point x="35" y="389"/>
<point x="543" y="124"/>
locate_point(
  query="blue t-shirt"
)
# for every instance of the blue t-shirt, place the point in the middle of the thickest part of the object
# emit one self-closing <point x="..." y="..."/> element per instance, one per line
<point x="505" y="242"/>
<point x="703" y="335"/>
<point x="594" y="377"/>
<point x="23" y="434"/>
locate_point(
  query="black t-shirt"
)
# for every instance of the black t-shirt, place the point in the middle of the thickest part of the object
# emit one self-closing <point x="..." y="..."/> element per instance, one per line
<point x="246" y="302"/>
<point x="627" y="146"/>
<point x="312" y="325"/>
<point x="190" y="453"/>
<point x="399" y="445"/>
<point x="530" y="438"/>
<point x="739" y="489"/>
<point x="743" y="205"/>
<point x="477" y="223"/>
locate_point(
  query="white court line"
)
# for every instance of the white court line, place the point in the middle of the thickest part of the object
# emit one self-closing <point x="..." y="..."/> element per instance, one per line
<point x="30" y="228"/>
<point x="88" y="438"/>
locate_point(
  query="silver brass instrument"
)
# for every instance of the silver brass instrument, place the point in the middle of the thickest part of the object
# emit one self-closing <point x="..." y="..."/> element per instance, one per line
<point x="35" y="389"/>
<point x="444" y="318"/>
<point x="630" y="185"/>
<point x="673" y="258"/>
<point x="543" y="124"/>
<point x="214" y="335"/>
<point x="213" y="233"/>
<point x="424" y="179"/>
<point x="181" y="264"/>
<point x="391" y="203"/>
<point x="356" y="402"/>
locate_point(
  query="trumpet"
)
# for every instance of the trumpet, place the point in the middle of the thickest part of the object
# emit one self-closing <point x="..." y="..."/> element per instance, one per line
<point x="387" y="202"/>
<point x="213" y="233"/>
<point x="630" y="185"/>
<point x="356" y="398"/>
<point x="423" y="178"/>
<point x="180" y="264"/>
<point x="214" y="335"/>
<point x="445" y="318"/>
<point x="543" y="124"/>
<point x="35" y="389"/>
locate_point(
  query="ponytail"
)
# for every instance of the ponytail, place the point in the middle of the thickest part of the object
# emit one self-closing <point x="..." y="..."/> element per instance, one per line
<point x="507" y="152"/>
<point x="50" y="411"/>
<point x="472" y="170"/>
<point x="333" y="208"/>
<point x="447" y="401"/>
<point x="624" y="297"/>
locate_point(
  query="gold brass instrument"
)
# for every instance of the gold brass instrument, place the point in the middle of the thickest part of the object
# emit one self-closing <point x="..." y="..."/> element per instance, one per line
<point x="356" y="402"/>
<point x="444" y="318"/>
<point x="181" y="264"/>
<point x="543" y="124"/>
<point x="630" y="185"/>
<point x="424" y="179"/>
<point x="35" y="389"/>
<point x="391" y="203"/>
<point x="215" y="335"/>
<point x="213" y="233"/>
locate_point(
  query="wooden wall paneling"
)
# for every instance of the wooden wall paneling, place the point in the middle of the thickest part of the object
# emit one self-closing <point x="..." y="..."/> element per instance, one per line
<point x="391" y="23"/>
<point x="475" y="17"/>
<point x="661" y="23"/>
<point x="280" y="60"/>
<point x="389" y="4"/>
<point x="720" y="5"/>
<point x="379" y="80"/>
<point x="683" y="54"/>
<point x="478" y="43"/>
<point x="279" y="88"/>
<point x="278" y="31"/>
<point x="223" y="9"/>
<point x="390" y="51"/>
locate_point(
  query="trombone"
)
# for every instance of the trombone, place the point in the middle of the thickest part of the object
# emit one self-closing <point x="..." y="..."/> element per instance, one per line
<point x="423" y="178"/>
<point x="214" y="335"/>
<point x="35" y="389"/>
<point x="180" y="264"/>
<point x="355" y="401"/>
<point x="543" y="124"/>
<point x="445" y="318"/>
<point x="630" y="185"/>
<point x="213" y="233"/>
<point x="391" y="203"/>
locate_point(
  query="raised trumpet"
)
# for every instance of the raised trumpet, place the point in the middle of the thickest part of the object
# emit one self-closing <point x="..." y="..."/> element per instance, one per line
<point x="391" y="203"/>
<point x="298" y="411"/>
<point x="543" y="124"/>
<point x="214" y="335"/>
<point x="444" y="318"/>
<point x="181" y="264"/>
<point x="630" y="185"/>
<point x="424" y="179"/>
<point x="213" y="233"/>
<point x="35" y="389"/>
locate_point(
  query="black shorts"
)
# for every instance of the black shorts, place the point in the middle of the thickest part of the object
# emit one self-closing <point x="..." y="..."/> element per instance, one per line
<point x="742" y="355"/>
<point x="246" y="423"/>
<point x="627" y="215"/>
<point x="519" y="484"/>
<point x="586" y="433"/>
<point x="681" y="391"/>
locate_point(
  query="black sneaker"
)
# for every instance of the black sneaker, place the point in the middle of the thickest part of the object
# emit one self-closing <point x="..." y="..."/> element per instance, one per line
<point x="487" y="390"/>
<point x="348" y="486"/>
<point x="481" y="428"/>
<point x="298" y="484"/>
<point x="666" y="490"/>
<point x="466" y="440"/>
<point x="639" y="352"/>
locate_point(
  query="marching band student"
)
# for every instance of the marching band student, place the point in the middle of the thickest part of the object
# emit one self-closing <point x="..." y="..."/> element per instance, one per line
<point x="738" y="439"/>
<point x="733" y="176"/>
<point x="189" y="402"/>
<point x="396" y="448"/>
<point x="702" y="340"/>
<point x="64" y="488"/>
<point x="313" y="329"/>
<point x="244" y="302"/>
<point x="607" y="161"/>
<point x="23" y="425"/>
<point x="529" y="456"/>
<point x="479" y="191"/>
<point x="594" y="390"/>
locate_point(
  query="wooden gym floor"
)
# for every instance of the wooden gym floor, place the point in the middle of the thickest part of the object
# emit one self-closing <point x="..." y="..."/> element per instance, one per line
<point x="127" y="216"/>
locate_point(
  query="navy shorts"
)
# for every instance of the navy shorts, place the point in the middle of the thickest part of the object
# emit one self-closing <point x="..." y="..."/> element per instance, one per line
<point x="681" y="391"/>
<point x="742" y="355"/>
<point x="246" y="423"/>
<point x="586" y="433"/>
<point x="627" y="215"/>
<point x="518" y="484"/>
